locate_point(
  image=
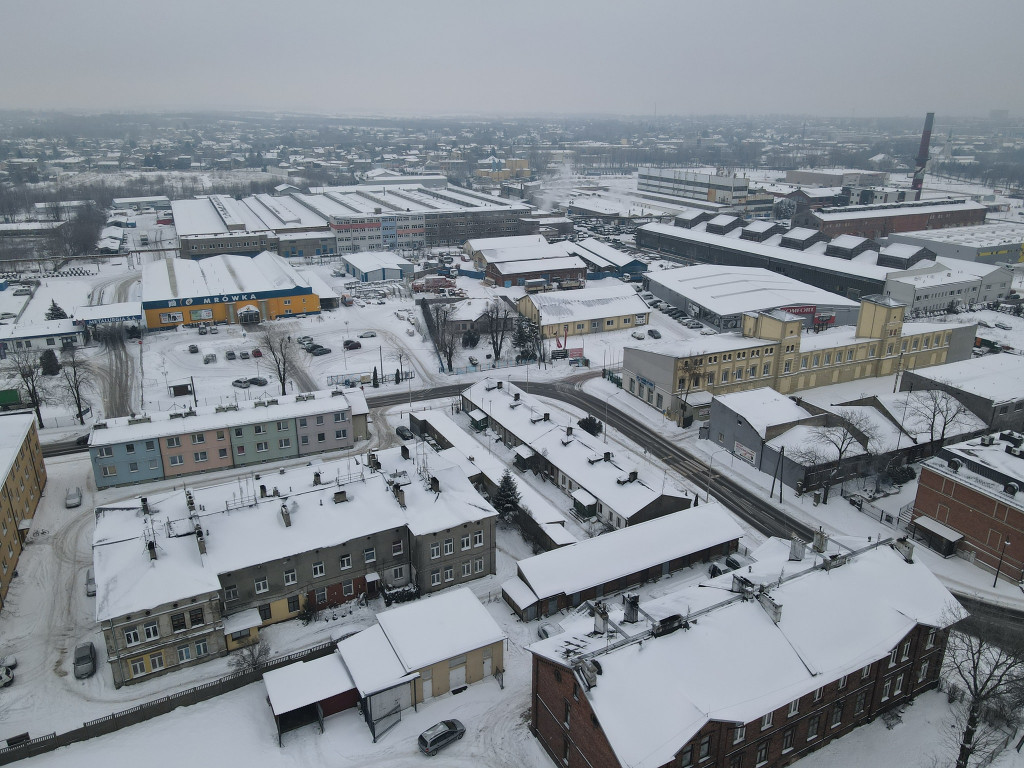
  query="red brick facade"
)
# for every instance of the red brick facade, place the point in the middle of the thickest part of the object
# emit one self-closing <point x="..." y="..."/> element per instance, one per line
<point x="985" y="520"/>
<point x="568" y="730"/>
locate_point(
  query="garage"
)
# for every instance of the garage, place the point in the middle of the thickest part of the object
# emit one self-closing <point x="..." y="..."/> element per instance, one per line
<point x="305" y="693"/>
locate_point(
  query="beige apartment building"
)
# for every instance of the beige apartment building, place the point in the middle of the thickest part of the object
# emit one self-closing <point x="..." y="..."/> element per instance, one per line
<point x="773" y="350"/>
<point x="23" y="479"/>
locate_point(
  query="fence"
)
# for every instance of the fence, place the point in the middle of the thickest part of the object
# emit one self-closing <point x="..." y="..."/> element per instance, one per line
<point x="150" y="709"/>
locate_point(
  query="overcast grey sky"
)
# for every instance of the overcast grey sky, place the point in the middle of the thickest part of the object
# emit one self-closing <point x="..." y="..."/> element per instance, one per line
<point x="437" y="57"/>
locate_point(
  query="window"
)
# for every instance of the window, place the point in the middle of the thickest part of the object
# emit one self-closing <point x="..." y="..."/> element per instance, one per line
<point x="369" y="555"/>
<point x="396" y="548"/>
<point x="177" y="621"/>
<point x="289" y="577"/>
<point x="261" y="585"/>
<point x="293" y="604"/>
<point x="842" y="683"/>
<point x="449" y="546"/>
<point x="686" y="756"/>
<point x="725" y="376"/>
<point x="339" y="417"/>
<point x="319" y="420"/>
<point x="885" y="689"/>
<point x="129" y="448"/>
<point x="138" y="667"/>
<point x="131" y="635"/>
<point x="230" y="593"/>
<point x="465" y="541"/>
<point x="865" y="672"/>
<point x="812" y="727"/>
<point x="199" y="456"/>
<point x="858" y="705"/>
<point x="837" y="715"/>
<point x="762" y="753"/>
<point x="849" y="355"/>
<point x="304" y="440"/>
<point x="566" y="713"/>
<point x="767" y="369"/>
<point x="240" y="450"/>
<point x="794" y="708"/>
<point x="766" y="721"/>
<point x="220" y="434"/>
<point x="449" y="573"/>
<point x="898" y="685"/>
<point x="184" y="653"/>
<point x="282" y="426"/>
<point x="803" y="363"/>
<point x="318" y="570"/>
<point x="736" y="761"/>
<point x="435" y="577"/>
<point x="704" y="746"/>
<point x="198" y="438"/>
<point x="739" y="734"/>
<point x="260" y="429"/>
<point x="156" y="662"/>
<point x="173" y="442"/>
<point x="923" y="672"/>
<point x="321" y="437"/>
<point x="340" y="434"/>
<point x="346" y="587"/>
<point x="133" y="466"/>
<point x="201" y="649"/>
<point x="320" y="596"/>
<point x="177" y="460"/>
<point x="787" y="366"/>
<point x="565" y="752"/>
<point x="906" y="651"/>
<point x="478" y="564"/>
<point x="302" y="421"/>
<point x="892" y="657"/>
<point x="262" y="447"/>
<point x="151" y="630"/>
<point x="467" y="568"/>
<point x="398" y="573"/>
<point x="787" y="739"/>
<point x="264" y="611"/>
<point x="238" y="432"/>
<point x="284" y="442"/>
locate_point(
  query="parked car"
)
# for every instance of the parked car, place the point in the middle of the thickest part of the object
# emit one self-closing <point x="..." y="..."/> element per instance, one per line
<point x="256" y="352"/>
<point x="10" y="661"/>
<point x="6" y="676"/>
<point x="984" y="324"/>
<point x="85" y="661"/>
<point x="90" y="583"/>
<point x="548" y="629"/>
<point x="311" y="347"/>
<point x="214" y="329"/>
<point x="639" y="335"/>
<point x="321" y="351"/>
<point x="243" y="355"/>
<point x="73" y="498"/>
<point x="240" y="383"/>
<point x="473" y="360"/>
<point x="230" y="355"/>
<point x="193" y="348"/>
<point x="1004" y="326"/>
<point x="209" y="357"/>
<point x="303" y="339"/>
<point x="258" y="381"/>
<point x="82" y="440"/>
<point x="203" y="330"/>
<point x="368" y="334"/>
<point x="7" y="316"/>
<point x="654" y="333"/>
<point x="440" y="735"/>
<point x="352" y="344"/>
<point x="404" y="432"/>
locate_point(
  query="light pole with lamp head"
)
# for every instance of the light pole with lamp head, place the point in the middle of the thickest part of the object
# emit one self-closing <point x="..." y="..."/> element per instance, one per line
<point x="1002" y="552"/>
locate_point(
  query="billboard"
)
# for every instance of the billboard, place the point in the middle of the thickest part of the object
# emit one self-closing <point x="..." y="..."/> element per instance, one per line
<point x="801" y="309"/>
<point x="744" y="453"/>
<point x="200" y="314"/>
<point x="172" y="317"/>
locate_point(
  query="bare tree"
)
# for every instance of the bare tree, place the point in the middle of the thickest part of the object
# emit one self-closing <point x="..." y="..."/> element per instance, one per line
<point x="24" y="366"/>
<point x="843" y="433"/>
<point x="988" y="666"/>
<point x="77" y="377"/>
<point x="694" y="371"/>
<point x="279" y="351"/>
<point x="498" y="317"/>
<point x="250" y="657"/>
<point x="444" y="332"/>
<point x="938" y="412"/>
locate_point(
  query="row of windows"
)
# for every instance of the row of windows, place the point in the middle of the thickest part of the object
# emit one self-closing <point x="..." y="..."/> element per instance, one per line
<point x="151" y="629"/>
<point x="449" y="544"/>
<point x="156" y="660"/>
<point x="467" y="569"/>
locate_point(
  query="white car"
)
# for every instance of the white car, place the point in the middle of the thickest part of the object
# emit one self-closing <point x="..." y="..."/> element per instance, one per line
<point x="639" y="335"/>
<point x="367" y="334"/>
<point x="6" y="677"/>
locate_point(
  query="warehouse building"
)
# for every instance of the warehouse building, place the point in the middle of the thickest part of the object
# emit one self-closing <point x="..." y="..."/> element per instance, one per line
<point x="989" y="387"/>
<point x="877" y="221"/>
<point x="837" y="177"/>
<point x="697" y="183"/>
<point x="720" y="295"/>
<point x="376" y="266"/>
<point x="995" y="242"/>
<point x="932" y="286"/>
<point x="224" y="289"/>
<point x="589" y="310"/>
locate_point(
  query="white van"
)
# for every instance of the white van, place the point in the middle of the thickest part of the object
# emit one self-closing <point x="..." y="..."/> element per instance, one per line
<point x="639" y="335"/>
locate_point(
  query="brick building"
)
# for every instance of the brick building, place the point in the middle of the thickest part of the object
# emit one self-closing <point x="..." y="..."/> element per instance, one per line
<point x="700" y="677"/>
<point x="22" y="482"/>
<point x="876" y="221"/>
<point x="968" y="499"/>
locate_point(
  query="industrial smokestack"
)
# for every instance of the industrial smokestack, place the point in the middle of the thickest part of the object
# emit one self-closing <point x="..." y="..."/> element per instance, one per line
<point x="922" y="156"/>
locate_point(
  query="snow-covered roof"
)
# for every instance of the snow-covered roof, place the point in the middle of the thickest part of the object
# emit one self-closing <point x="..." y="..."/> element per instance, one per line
<point x="734" y="664"/>
<point x="991" y="234"/>
<point x="15" y="427"/>
<point x="734" y="290"/>
<point x="602" y="252"/>
<point x="39" y="329"/>
<point x="518" y="241"/>
<point x="896" y="209"/>
<point x="243" y="530"/>
<point x="307" y="682"/>
<point x="439" y="627"/>
<point x="225" y="274"/>
<point x="101" y="312"/>
<point x="763" y="408"/>
<point x="368" y="261"/>
<point x="372" y="662"/>
<point x="805" y="445"/>
<point x="161" y="423"/>
<point x="992" y="377"/>
<point x="588" y="304"/>
<point x="627" y="550"/>
<point x="540" y="265"/>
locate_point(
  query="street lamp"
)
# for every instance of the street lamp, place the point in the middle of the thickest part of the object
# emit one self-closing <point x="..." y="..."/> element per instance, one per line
<point x="999" y="567"/>
<point x="707" y="491"/>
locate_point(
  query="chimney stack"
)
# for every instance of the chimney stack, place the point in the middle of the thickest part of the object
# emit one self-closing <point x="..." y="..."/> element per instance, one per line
<point x="797" y="548"/>
<point x="820" y="541"/>
<point x="151" y="546"/>
<point x="435" y="484"/>
<point x="405" y="452"/>
<point x="286" y="516"/>
<point x="200" y="539"/>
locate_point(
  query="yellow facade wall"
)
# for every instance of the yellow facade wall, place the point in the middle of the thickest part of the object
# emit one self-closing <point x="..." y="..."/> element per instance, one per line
<point x="19" y="497"/>
<point x="227" y="312"/>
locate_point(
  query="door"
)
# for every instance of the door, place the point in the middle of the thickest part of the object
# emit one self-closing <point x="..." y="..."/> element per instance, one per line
<point x="488" y="667"/>
<point x="428" y="687"/>
<point x="456" y="677"/>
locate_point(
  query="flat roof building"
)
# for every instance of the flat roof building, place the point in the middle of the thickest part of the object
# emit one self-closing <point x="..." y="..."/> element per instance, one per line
<point x="995" y="242"/>
<point x="882" y="220"/>
<point x="584" y="311"/>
